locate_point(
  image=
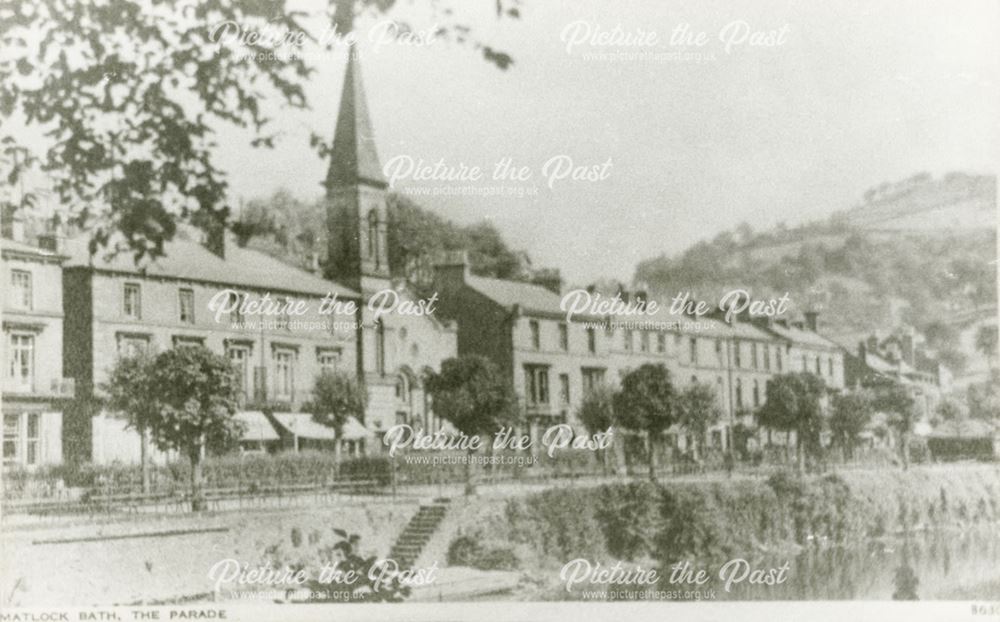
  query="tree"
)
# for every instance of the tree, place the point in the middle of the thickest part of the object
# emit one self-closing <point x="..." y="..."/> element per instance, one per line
<point x="984" y="398"/>
<point x="851" y="413"/>
<point x="644" y="403"/>
<point x="896" y="400"/>
<point x="129" y="92"/>
<point x="986" y="341"/>
<point x="597" y="413"/>
<point x="195" y="393"/>
<point x="950" y="409"/>
<point x="337" y="397"/>
<point x="472" y="394"/>
<point x="697" y="409"/>
<point x="128" y="389"/>
<point x="793" y="403"/>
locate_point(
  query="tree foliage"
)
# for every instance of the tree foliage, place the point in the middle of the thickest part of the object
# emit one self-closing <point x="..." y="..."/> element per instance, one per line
<point x="645" y="403"/>
<point x="472" y="394"/>
<point x="851" y="413"/>
<point x="337" y="396"/>
<point x="596" y="411"/>
<point x="129" y="94"/>
<point x="793" y="403"/>
<point x="697" y="409"/>
<point x="196" y="394"/>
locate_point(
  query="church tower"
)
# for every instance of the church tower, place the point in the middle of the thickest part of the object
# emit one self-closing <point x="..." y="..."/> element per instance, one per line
<point x="356" y="189"/>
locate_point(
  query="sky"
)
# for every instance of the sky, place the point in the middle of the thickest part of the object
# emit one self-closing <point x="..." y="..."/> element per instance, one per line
<point x="849" y="94"/>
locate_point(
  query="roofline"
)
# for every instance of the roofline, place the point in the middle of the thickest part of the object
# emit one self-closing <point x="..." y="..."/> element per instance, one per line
<point x="170" y="277"/>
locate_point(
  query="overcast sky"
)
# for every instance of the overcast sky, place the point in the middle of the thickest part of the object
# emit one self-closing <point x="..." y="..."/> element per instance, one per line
<point x="859" y="92"/>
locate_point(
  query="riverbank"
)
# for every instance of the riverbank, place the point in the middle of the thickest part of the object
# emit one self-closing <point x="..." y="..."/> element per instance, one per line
<point x="657" y="525"/>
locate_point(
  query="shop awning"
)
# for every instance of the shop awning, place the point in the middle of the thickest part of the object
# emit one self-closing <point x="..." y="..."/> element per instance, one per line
<point x="303" y="425"/>
<point x="256" y="427"/>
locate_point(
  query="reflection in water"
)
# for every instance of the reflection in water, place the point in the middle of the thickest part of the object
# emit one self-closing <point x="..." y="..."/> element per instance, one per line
<point x="937" y="565"/>
<point x="906" y="578"/>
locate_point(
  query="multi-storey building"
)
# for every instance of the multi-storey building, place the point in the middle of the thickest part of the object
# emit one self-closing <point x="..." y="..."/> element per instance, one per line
<point x="117" y="307"/>
<point x="551" y="362"/>
<point x="35" y="392"/>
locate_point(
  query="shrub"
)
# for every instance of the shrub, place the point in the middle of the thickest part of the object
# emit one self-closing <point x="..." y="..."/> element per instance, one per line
<point x="468" y="551"/>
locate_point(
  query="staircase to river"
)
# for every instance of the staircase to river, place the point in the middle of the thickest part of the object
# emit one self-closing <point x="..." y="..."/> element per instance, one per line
<point x="418" y="533"/>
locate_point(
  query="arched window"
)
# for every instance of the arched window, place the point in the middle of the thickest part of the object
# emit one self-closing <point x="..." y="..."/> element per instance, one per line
<point x="373" y="239"/>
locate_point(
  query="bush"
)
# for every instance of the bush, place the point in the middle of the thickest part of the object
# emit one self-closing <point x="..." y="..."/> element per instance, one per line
<point x="468" y="551"/>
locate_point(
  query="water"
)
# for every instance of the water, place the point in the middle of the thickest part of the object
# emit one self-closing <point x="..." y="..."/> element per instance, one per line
<point x="937" y="565"/>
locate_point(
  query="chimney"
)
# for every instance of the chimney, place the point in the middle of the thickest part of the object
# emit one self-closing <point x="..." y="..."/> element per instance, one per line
<point x="451" y="269"/>
<point x="549" y="278"/>
<point x="811" y="317"/>
<point x="214" y="237"/>
<point x="906" y="346"/>
<point x="13" y="223"/>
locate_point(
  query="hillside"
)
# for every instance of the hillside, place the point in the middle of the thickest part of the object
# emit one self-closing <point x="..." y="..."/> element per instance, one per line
<point x="917" y="251"/>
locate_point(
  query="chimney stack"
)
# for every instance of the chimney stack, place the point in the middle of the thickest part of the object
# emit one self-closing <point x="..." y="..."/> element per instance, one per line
<point x="451" y="269"/>
<point x="549" y="278"/>
<point x="811" y="318"/>
<point x="215" y="238"/>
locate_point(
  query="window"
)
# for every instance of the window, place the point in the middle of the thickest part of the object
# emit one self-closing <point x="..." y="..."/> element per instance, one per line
<point x="564" y="388"/>
<point x="694" y="379"/>
<point x="403" y="389"/>
<point x="661" y="343"/>
<point x="239" y="356"/>
<point x="236" y="316"/>
<point x="536" y="334"/>
<point x="756" y="393"/>
<point x="739" y="393"/>
<point x="536" y="384"/>
<point x="818" y="368"/>
<point x="753" y="355"/>
<point x="11" y="439"/>
<point x="720" y="390"/>
<point x="693" y="354"/>
<point x="380" y="347"/>
<point x="327" y="360"/>
<point x="767" y="358"/>
<point x="591" y="341"/>
<point x="21" y="365"/>
<point x="805" y="363"/>
<point x="592" y="377"/>
<point x="718" y="352"/>
<point x="285" y="318"/>
<point x="373" y="235"/>
<point x="644" y="341"/>
<point x="284" y="374"/>
<point x="778" y="361"/>
<point x="185" y="302"/>
<point x="736" y="354"/>
<point x="31" y="440"/>
<point x="20" y="289"/>
<point x="627" y="339"/>
<point x="563" y="337"/>
<point x="829" y="366"/>
<point x="132" y="301"/>
<point x="132" y="345"/>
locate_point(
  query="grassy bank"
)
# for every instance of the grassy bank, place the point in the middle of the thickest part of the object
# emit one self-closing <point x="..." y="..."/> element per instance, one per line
<point x="667" y="521"/>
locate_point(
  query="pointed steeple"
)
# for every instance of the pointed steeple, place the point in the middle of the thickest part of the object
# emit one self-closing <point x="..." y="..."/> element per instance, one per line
<point x="354" y="159"/>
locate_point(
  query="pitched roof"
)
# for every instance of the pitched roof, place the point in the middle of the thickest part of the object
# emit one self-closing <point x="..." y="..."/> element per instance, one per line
<point x="353" y="157"/>
<point x="187" y="259"/>
<point x="529" y="296"/>
<point x="28" y="249"/>
<point x="799" y="335"/>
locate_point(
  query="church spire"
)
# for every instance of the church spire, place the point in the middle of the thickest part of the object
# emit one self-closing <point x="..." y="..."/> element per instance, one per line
<point x="354" y="159"/>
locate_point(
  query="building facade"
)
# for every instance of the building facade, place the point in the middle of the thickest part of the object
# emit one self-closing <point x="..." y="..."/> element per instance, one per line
<point x="194" y="295"/>
<point x="35" y="391"/>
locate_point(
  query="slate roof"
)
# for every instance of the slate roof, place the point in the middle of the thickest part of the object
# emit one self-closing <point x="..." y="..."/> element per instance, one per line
<point x="353" y="156"/>
<point x="529" y="296"/>
<point x="187" y="259"/>
<point x="799" y="335"/>
<point x="28" y="249"/>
